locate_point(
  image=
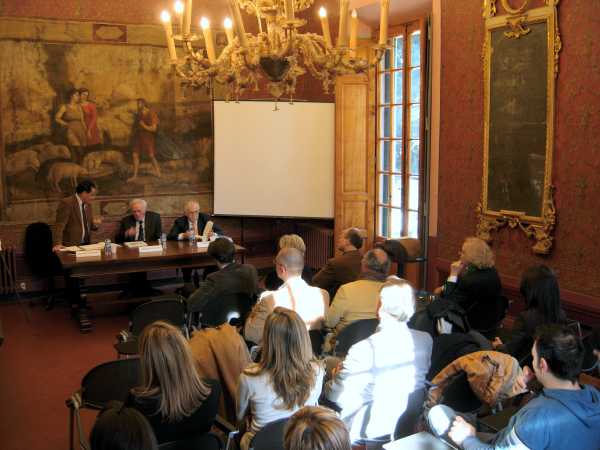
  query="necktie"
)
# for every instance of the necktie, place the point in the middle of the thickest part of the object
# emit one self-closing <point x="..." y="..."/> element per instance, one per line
<point x="86" y="228"/>
<point x="141" y="232"/>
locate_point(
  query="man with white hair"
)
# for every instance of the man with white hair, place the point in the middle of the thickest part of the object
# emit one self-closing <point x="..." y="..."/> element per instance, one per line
<point x="377" y="379"/>
<point x="140" y="225"/>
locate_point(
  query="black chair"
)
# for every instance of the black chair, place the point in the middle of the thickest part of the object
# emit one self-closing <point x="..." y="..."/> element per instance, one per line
<point x="104" y="383"/>
<point x="169" y="308"/>
<point x="459" y="396"/>
<point x="407" y="422"/>
<point x="270" y="437"/>
<point x="486" y="316"/>
<point x="316" y="341"/>
<point x="230" y="308"/>
<point x="206" y="441"/>
<point x="353" y="333"/>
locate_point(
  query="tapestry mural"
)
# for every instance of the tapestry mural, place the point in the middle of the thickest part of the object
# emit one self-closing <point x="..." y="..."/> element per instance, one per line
<point x="112" y="113"/>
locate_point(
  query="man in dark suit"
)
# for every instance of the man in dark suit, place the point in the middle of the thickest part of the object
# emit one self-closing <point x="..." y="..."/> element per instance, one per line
<point x="219" y="287"/>
<point x="74" y="224"/>
<point x="140" y="225"/>
<point x="344" y="268"/>
<point x="192" y="223"/>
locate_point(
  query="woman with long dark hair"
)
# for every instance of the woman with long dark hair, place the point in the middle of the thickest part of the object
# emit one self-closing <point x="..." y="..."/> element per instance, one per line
<point x="286" y="378"/>
<point x="539" y="288"/>
<point x="177" y="402"/>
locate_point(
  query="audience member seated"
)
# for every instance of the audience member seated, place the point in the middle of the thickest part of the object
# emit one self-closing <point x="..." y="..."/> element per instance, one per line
<point x="473" y="279"/>
<point x="343" y="268"/>
<point x="174" y="398"/>
<point x="120" y="428"/>
<point x="379" y="373"/>
<point x="286" y="378"/>
<point x="191" y="224"/>
<point x="221" y="354"/>
<point x="359" y="299"/>
<point x="565" y="415"/>
<point x="309" y="302"/>
<point x="315" y="428"/>
<point x="231" y="278"/>
<point x="539" y="288"/>
<point x="140" y="225"/>
<point x="272" y="281"/>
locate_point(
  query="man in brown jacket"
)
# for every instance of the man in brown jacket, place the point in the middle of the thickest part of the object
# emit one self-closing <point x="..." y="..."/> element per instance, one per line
<point x="344" y="268"/>
<point x="74" y="224"/>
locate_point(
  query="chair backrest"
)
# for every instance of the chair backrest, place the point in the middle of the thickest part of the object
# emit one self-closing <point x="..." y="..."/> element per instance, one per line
<point x="487" y="315"/>
<point x="110" y="381"/>
<point x="37" y="249"/>
<point x="206" y="441"/>
<point x="230" y="306"/>
<point x="407" y="422"/>
<point x="353" y="333"/>
<point x="169" y="308"/>
<point x="459" y="396"/>
<point x="270" y="437"/>
<point x="316" y="341"/>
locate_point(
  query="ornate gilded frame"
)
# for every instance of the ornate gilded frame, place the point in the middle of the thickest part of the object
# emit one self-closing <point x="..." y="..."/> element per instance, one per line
<point x="515" y="21"/>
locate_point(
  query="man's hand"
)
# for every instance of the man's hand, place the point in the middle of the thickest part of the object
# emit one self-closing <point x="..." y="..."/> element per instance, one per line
<point x="188" y="234"/>
<point x="461" y="430"/>
<point x="130" y="232"/>
<point x="57" y="248"/>
<point x="97" y="221"/>
<point x="456" y="268"/>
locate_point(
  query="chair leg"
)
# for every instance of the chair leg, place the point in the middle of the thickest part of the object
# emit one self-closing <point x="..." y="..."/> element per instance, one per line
<point x="71" y="413"/>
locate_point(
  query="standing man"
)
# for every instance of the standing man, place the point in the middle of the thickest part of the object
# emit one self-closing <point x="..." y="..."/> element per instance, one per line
<point x="140" y="225"/>
<point x="344" y="268"/>
<point x="74" y="224"/>
<point x="192" y="223"/>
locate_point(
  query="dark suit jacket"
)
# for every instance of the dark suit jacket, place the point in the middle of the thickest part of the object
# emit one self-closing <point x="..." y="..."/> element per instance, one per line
<point x="233" y="279"/>
<point x="182" y="224"/>
<point x="339" y="270"/>
<point x="68" y="227"/>
<point x="152" y="227"/>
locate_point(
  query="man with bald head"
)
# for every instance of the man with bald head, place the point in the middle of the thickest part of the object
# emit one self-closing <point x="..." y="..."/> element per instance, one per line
<point x="309" y="302"/>
<point x="358" y="300"/>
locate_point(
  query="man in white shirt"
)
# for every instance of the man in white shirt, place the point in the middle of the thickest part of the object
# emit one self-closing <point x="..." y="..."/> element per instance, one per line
<point x="309" y="302"/>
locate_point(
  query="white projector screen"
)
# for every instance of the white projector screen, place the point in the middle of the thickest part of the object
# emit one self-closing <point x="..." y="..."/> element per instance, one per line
<point x="274" y="163"/>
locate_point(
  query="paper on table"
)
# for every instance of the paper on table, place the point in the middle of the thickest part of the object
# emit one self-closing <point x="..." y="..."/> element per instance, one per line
<point x="135" y="244"/>
<point x="72" y="249"/>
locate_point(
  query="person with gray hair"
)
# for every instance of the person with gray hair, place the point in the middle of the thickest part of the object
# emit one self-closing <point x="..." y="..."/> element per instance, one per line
<point x="358" y="300"/>
<point x="140" y="225"/>
<point x="309" y="302"/>
<point x="377" y="379"/>
<point x="344" y="268"/>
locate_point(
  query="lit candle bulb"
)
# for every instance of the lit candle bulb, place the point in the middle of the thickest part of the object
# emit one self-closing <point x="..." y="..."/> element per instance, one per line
<point x="228" y="25"/>
<point x="325" y="26"/>
<point x="353" y="31"/>
<point x="187" y="23"/>
<point x="343" y="29"/>
<point x="383" y="23"/>
<point x="178" y="7"/>
<point x="165" y="18"/>
<point x="208" y="40"/>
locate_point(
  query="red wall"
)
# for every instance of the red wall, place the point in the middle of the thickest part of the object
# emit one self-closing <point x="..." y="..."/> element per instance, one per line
<point x="576" y="172"/>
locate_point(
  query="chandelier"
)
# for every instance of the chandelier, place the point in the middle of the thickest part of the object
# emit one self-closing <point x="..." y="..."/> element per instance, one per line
<point x="279" y="52"/>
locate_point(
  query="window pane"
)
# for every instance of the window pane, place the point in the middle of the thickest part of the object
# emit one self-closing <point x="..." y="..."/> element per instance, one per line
<point x="385" y="87"/>
<point x="398" y="76"/>
<point x="385" y="61"/>
<point x="397" y="154"/>
<point x="384" y="189"/>
<point x="413" y="224"/>
<point x="398" y="52"/>
<point x="396" y="225"/>
<point x="384" y="222"/>
<point x="415" y="111"/>
<point x="397" y="122"/>
<point x="415" y="85"/>
<point x="415" y="49"/>
<point x="414" y="157"/>
<point x="413" y="193"/>
<point x="384" y="122"/>
<point x="384" y="155"/>
<point x="397" y="190"/>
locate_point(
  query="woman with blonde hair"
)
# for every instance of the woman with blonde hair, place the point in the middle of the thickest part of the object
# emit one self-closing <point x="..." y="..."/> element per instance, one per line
<point x="272" y="281"/>
<point x="474" y="283"/>
<point x="315" y="428"/>
<point x="286" y="378"/>
<point x="177" y="402"/>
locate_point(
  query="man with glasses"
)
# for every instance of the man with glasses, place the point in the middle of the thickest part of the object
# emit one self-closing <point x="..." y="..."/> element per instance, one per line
<point x="190" y="225"/>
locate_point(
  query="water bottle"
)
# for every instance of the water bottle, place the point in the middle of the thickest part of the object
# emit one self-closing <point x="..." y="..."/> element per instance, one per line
<point x="193" y="239"/>
<point x="163" y="240"/>
<point x="107" y="247"/>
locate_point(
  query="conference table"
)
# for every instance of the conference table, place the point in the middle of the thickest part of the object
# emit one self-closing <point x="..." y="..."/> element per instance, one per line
<point x="176" y="255"/>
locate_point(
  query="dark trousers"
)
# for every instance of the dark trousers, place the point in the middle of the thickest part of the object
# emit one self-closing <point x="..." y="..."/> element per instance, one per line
<point x="73" y="291"/>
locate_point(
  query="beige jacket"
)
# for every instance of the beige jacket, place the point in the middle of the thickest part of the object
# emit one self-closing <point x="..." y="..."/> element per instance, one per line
<point x="353" y="301"/>
<point x="309" y="302"/>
